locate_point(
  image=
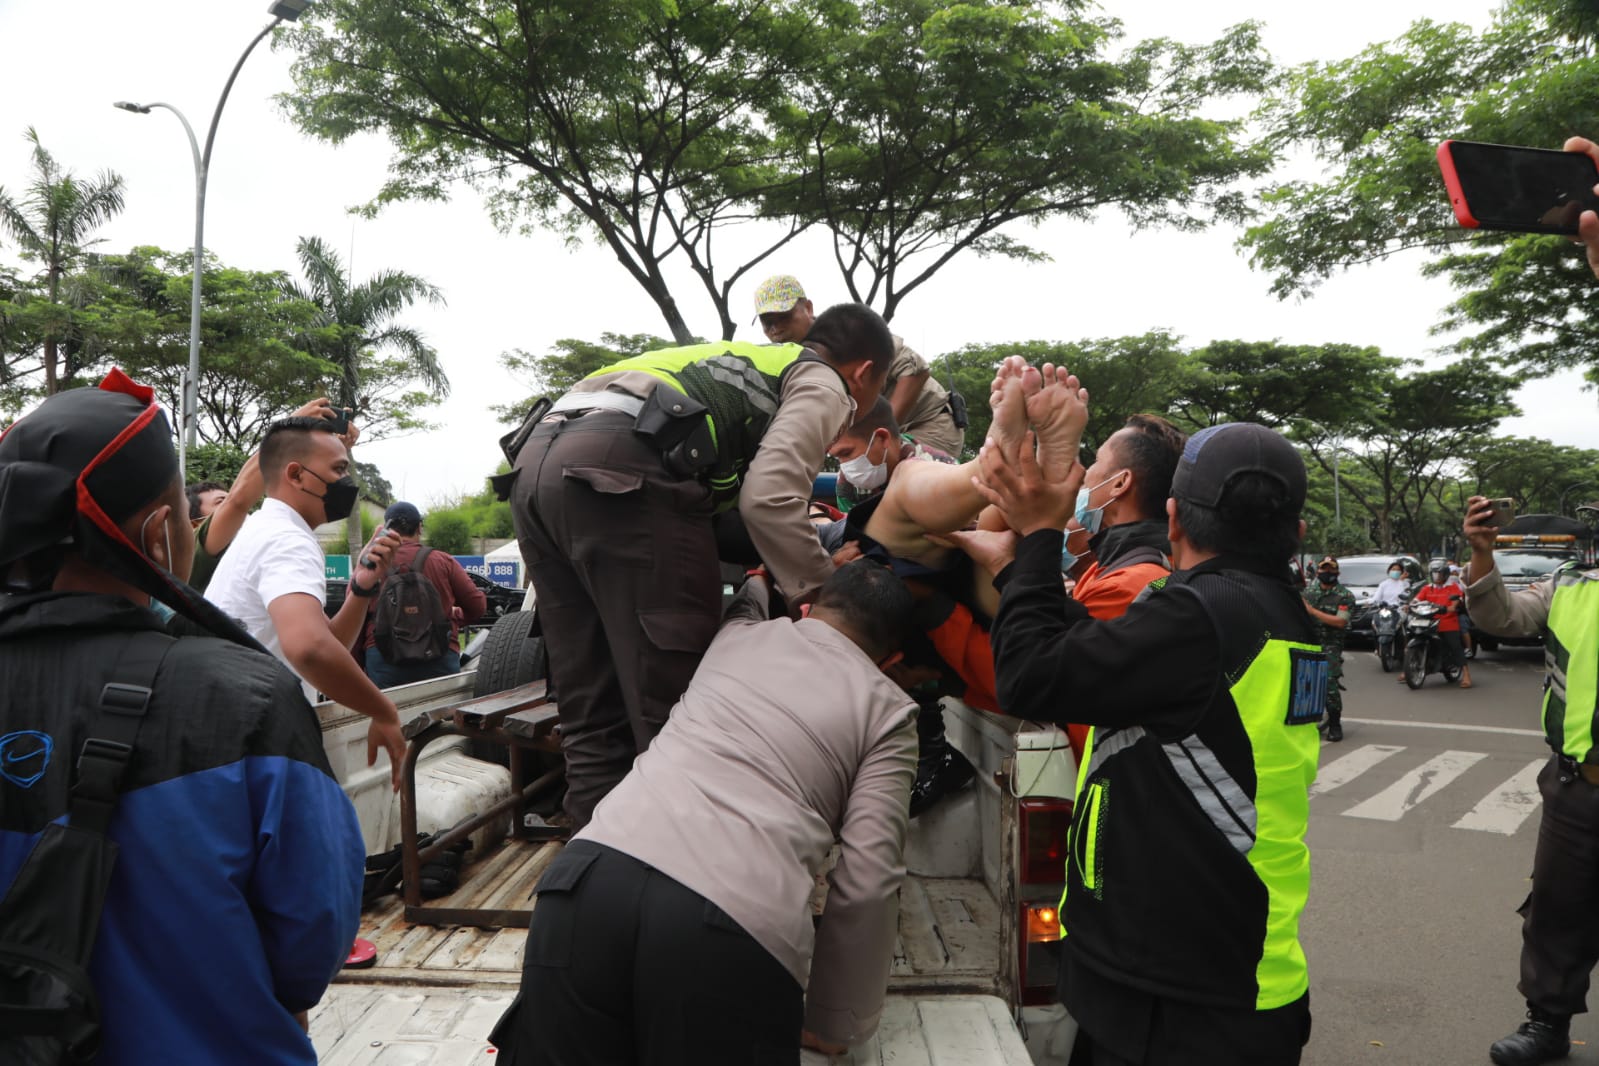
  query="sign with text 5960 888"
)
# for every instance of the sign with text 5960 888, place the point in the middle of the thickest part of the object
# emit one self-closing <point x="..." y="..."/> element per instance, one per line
<point x="505" y="572"/>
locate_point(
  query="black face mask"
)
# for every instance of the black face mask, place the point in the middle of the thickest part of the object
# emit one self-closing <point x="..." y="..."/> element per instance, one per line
<point x="1327" y="579"/>
<point x="339" y="500"/>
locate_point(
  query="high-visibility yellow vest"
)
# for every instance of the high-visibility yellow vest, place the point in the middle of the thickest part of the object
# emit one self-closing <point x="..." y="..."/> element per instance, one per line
<point x="740" y="385"/>
<point x="1571" y="662"/>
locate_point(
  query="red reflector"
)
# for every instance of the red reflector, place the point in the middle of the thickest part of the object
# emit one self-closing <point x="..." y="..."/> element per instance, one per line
<point x="1044" y="825"/>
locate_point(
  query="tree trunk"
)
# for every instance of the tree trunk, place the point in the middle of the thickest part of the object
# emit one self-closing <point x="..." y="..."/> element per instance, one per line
<point x="656" y="287"/>
<point x="50" y="382"/>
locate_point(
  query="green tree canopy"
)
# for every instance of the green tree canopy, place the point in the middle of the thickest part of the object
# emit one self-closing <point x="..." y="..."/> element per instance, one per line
<point x="914" y="129"/>
<point x="1375" y="121"/>
<point x="52" y="221"/>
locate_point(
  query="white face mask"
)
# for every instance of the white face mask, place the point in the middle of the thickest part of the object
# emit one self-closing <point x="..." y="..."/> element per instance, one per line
<point x="864" y="474"/>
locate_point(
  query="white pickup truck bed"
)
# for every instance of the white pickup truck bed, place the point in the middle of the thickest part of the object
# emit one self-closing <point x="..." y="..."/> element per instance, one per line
<point x="435" y="993"/>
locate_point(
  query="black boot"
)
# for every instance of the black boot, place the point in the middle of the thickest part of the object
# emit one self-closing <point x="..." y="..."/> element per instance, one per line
<point x="1335" y="729"/>
<point x="940" y="769"/>
<point x="1543" y="1037"/>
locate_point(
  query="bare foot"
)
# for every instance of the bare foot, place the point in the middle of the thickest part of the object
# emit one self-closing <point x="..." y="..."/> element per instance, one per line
<point x="1009" y="428"/>
<point x="1059" y="414"/>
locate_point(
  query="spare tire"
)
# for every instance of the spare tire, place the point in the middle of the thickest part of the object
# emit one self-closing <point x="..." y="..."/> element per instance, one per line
<point x="511" y="656"/>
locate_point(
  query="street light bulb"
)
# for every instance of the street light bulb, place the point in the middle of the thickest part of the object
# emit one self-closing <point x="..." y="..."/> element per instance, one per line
<point x="288" y="10"/>
<point x="137" y="109"/>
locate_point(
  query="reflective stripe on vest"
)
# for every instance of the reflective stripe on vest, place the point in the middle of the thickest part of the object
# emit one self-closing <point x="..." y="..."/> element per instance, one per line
<point x="1571" y="659"/>
<point x="1284" y="676"/>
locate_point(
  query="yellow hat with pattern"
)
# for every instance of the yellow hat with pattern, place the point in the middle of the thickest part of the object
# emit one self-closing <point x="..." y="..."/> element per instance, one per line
<point x="778" y="294"/>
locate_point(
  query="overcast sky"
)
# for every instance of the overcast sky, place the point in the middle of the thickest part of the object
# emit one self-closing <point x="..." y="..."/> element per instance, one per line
<point x="67" y="60"/>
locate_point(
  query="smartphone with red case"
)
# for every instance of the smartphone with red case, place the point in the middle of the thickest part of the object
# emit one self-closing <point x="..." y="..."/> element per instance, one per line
<point x="1525" y="190"/>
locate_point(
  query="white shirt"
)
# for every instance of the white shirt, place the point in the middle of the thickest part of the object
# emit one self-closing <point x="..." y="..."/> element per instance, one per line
<point x="275" y="554"/>
<point x="1390" y="591"/>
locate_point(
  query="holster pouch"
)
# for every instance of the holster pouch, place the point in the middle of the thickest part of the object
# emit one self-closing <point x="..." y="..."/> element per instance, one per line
<point x="957" y="410"/>
<point x="676" y="423"/>
<point x="511" y="444"/>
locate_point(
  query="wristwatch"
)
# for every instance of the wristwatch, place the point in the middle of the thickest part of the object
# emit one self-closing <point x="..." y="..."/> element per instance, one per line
<point x="365" y="594"/>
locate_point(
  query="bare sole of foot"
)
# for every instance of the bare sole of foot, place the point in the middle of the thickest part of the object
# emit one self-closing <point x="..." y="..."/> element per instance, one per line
<point x="1058" y="413"/>
<point x="1009" y="428"/>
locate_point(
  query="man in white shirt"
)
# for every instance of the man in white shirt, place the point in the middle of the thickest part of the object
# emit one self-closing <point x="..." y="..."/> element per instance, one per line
<point x="273" y="578"/>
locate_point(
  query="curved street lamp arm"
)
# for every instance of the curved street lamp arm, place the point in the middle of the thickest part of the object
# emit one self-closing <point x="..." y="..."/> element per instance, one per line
<point x="211" y="135"/>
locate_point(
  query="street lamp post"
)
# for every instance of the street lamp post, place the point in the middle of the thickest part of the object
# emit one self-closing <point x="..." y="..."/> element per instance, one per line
<point x="281" y="11"/>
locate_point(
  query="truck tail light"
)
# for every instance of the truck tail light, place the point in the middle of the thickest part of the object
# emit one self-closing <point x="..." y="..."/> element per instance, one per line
<point x="1044" y="824"/>
<point x="1040" y="952"/>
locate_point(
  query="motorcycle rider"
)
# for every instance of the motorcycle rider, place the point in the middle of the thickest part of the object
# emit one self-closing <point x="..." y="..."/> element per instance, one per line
<point x="1443" y="591"/>
<point x="1331" y="605"/>
<point x="1393" y="588"/>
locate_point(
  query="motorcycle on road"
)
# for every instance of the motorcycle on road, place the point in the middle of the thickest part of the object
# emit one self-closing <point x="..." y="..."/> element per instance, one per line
<point x="1385" y="623"/>
<point x="1424" y="647"/>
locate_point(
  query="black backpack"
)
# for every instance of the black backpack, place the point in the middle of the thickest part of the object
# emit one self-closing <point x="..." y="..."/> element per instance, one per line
<point x="49" y="1012"/>
<point x="411" y="626"/>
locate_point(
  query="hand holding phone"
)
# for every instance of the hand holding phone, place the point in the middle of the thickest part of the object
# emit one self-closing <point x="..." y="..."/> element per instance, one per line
<point x="1524" y="190"/>
<point x="1503" y="513"/>
<point x="341" y="419"/>
<point x="366" y="559"/>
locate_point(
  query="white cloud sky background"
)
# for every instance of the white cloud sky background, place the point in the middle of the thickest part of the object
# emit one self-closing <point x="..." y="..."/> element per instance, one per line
<point x="67" y="60"/>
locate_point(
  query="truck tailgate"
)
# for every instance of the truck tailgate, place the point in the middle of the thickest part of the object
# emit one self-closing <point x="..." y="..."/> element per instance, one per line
<point x="358" y="1025"/>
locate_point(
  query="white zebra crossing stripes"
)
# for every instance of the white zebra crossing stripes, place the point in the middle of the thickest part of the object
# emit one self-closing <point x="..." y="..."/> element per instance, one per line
<point x="1409" y="791"/>
<point x="1351" y="766"/>
<point x="1502" y="811"/>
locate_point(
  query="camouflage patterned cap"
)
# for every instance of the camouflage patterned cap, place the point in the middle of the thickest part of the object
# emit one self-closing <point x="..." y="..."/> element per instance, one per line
<point x="777" y="294"/>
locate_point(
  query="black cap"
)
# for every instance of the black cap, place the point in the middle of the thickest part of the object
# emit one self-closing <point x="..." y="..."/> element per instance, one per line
<point x="1217" y="455"/>
<point x="403" y="517"/>
<point x="83" y="458"/>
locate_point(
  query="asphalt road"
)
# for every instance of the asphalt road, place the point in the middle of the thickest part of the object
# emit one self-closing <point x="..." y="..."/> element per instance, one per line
<point x="1422" y="827"/>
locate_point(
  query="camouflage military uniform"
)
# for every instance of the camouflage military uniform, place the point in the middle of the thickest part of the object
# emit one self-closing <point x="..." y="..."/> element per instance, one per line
<point x="1330" y="599"/>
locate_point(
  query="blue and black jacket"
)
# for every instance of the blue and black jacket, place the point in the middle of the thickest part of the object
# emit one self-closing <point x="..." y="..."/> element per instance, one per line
<point x="237" y="891"/>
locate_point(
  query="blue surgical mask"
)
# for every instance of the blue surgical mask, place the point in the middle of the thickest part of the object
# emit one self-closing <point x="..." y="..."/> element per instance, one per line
<point x="1090" y="518"/>
<point x="1069" y="558"/>
<point x="1395" y="574"/>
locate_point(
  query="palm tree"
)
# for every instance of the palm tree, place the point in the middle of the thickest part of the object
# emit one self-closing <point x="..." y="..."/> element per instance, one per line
<point x="51" y="222"/>
<point x="358" y="322"/>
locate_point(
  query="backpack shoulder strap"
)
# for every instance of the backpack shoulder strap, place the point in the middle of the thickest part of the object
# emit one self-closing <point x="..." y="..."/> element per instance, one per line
<point x="114" y="729"/>
<point x="421" y="558"/>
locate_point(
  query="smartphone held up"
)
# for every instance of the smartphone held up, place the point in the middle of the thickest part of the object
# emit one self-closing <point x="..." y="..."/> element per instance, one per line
<point x="1503" y="512"/>
<point x="1525" y="190"/>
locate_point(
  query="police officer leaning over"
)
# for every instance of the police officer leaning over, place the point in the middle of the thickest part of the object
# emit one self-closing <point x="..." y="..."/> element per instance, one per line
<point x="1187" y="868"/>
<point x="613" y="500"/>
<point x="1560" y="923"/>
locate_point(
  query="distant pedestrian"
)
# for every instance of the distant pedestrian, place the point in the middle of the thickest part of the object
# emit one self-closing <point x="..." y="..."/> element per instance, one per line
<point x="399" y="654"/>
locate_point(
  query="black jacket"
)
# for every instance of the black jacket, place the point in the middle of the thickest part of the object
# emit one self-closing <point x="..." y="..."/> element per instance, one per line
<point x="1163" y="902"/>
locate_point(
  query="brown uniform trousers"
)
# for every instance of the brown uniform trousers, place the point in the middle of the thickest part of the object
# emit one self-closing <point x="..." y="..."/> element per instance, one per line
<point x="623" y="560"/>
